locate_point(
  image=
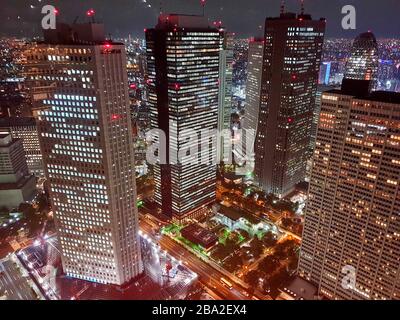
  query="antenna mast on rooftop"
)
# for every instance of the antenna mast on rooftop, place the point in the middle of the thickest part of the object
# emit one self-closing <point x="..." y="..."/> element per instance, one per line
<point x="282" y="6"/>
<point x="203" y="4"/>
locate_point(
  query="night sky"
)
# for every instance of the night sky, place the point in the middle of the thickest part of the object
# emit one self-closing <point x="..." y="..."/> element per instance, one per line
<point x="123" y="17"/>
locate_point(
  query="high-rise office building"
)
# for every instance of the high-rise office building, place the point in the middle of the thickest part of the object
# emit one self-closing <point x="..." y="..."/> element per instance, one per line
<point x="351" y="238"/>
<point x="292" y="57"/>
<point x="320" y="90"/>
<point x="225" y="91"/>
<point x="363" y="63"/>
<point x="314" y="128"/>
<point x="183" y="68"/>
<point x="26" y="130"/>
<point x="87" y="144"/>
<point x="17" y="185"/>
<point x="325" y="73"/>
<point x="253" y="94"/>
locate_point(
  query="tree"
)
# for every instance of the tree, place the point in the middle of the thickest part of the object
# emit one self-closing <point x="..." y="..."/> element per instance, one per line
<point x="219" y="252"/>
<point x="253" y="278"/>
<point x="269" y="264"/>
<point x="256" y="247"/>
<point x="269" y="239"/>
<point x="279" y="279"/>
<point x="293" y="263"/>
<point x="233" y="263"/>
<point x="244" y="234"/>
<point x="27" y="210"/>
<point x="287" y="223"/>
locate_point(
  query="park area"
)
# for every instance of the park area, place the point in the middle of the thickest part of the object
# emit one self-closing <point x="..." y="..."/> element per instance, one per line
<point x="264" y="260"/>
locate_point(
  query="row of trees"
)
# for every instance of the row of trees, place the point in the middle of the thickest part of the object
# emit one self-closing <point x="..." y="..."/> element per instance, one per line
<point x="274" y="270"/>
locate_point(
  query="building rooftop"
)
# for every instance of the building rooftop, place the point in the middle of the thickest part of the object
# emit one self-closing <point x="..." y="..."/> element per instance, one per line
<point x="300" y="289"/>
<point x="21" y="183"/>
<point x="293" y="16"/>
<point x="5" y="139"/>
<point x="232" y="176"/>
<point x="166" y="21"/>
<point x="235" y="214"/>
<point x="199" y="235"/>
<point x="17" y="122"/>
<point x="231" y="213"/>
<point x="385" y="96"/>
<point x="366" y="36"/>
<point x="77" y="34"/>
<point x="363" y="94"/>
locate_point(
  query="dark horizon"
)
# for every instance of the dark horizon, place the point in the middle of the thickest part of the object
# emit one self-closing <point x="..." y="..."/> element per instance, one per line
<point x="245" y="19"/>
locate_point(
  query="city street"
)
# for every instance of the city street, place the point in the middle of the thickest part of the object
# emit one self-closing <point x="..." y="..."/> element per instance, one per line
<point x="208" y="275"/>
<point x="13" y="284"/>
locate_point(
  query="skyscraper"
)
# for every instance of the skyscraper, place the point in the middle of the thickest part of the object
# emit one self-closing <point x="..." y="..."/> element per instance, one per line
<point x="225" y="89"/>
<point x="86" y="139"/>
<point x="292" y="57"/>
<point x="363" y="63"/>
<point x="320" y="90"/>
<point x="253" y="92"/>
<point x="314" y="128"/>
<point x="325" y="73"/>
<point x="351" y="238"/>
<point x="183" y="68"/>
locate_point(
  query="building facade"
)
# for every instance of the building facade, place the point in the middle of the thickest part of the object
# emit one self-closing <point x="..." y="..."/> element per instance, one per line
<point x="17" y="185"/>
<point x="26" y="130"/>
<point x="225" y="92"/>
<point x="351" y="238"/>
<point x="253" y="93"/>
<point x="363" y="63"/>
<point x="87" y="144"/>
<point x="183" y="68"/>
<point x="292" y="57"/>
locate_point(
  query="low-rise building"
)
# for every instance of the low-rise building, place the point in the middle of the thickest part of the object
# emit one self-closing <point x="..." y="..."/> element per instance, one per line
<point x="17" y="185"/>
<point x="236" y="219"/>
<point x="24" y="128"/>
<point x="298" y="289"/>
<point x="200" y="236"/>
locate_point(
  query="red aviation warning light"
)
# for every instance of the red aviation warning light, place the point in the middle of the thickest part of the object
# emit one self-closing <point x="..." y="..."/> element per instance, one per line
<point x="56" y="11"/>
<point x="107" y="48"/>
<point x="203" y="4"/>
<point x="115" y="117"/>
<point x="90" y="13"/>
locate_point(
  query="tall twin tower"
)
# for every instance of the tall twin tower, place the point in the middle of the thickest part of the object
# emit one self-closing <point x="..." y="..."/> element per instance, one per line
<point x="183" y="58"/>
<point x="291" y="61"/>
